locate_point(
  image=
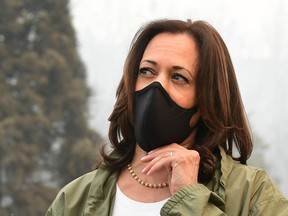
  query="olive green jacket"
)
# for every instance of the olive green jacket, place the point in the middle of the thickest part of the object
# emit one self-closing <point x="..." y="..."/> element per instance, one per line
<point x="235" y="190"/>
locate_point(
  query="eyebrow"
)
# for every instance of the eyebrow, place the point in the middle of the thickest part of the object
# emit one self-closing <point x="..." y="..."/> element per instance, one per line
<point x="149" y="61"/>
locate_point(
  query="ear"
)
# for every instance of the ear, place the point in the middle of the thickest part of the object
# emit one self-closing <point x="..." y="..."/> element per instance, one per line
<point x="194" y="119"/>
<point x="193" y="122"/>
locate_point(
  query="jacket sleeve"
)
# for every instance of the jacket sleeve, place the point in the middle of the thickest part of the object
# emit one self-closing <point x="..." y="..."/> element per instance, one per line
<point x="194" y="199"/>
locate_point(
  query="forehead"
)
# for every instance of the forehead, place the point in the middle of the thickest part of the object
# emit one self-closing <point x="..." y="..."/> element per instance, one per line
<point x="180" y="42"/>
<point x="177" y="48"/>
<point x="177" y="39"/>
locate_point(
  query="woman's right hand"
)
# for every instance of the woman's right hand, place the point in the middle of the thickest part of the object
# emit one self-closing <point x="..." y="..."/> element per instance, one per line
<point x="181" y="164"/>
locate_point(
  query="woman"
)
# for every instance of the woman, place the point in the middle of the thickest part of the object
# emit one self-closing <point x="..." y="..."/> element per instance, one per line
<point x="176" y="124"/>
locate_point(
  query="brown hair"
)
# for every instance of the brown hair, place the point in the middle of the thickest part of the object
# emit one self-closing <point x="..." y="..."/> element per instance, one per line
<point x="223" y="121"/>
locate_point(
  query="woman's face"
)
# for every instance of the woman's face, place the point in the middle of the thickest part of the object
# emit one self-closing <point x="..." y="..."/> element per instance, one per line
<point x="171" y="59"/>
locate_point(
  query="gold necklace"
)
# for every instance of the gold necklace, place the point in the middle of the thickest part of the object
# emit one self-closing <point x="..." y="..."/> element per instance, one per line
<point x="133" y="174"/>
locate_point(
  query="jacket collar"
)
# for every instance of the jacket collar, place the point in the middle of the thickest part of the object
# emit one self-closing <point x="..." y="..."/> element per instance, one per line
<point x="224" y="166"/>
<point x="227" y="164"/>
<point x="102" y="193"/>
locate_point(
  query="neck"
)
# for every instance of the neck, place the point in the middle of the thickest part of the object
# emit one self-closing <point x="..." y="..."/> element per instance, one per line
<point x="135" y="190"/>
<point x="137" y="165"/>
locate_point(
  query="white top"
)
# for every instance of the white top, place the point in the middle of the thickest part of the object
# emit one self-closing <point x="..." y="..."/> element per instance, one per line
<point x="125" y="206"/>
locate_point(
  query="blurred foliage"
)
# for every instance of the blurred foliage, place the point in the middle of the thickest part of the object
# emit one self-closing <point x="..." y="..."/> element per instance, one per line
<point x="45" y="140"/>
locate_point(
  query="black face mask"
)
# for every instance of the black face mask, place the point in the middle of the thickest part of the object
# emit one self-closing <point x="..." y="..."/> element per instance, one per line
<point x="159" y="121"/>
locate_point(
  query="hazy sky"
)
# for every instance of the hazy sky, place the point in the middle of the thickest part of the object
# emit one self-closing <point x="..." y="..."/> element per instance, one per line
<point x="255" y="32"/>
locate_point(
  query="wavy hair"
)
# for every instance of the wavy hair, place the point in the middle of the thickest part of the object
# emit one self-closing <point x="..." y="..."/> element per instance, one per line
<point x="223" y="120"/>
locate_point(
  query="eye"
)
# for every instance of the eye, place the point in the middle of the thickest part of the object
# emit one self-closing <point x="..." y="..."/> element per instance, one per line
<point x="179" y="78"/>
<point x="146" y="72"/>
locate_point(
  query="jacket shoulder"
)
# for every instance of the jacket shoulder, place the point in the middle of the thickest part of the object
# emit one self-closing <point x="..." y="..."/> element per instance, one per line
<point x="253" y="179"/>
<point x="254" y="188"/>
<point x="83" y="182"/>
<point x="246" y="174"/>
<point x="72" y="197"/>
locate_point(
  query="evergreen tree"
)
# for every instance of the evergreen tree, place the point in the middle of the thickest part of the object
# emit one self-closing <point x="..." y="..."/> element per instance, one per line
<point x="45" y="140"/>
